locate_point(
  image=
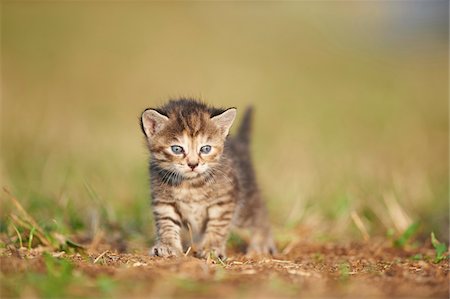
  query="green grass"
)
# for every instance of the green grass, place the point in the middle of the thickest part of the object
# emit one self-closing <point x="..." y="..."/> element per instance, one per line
<point x="59" y="279"/>
<point x="58" y="276"/>
<point x="344" y="124"/>
<point x="440" y="249"/>
<point x="344" y="271"/>
<point x="406" y="236"/>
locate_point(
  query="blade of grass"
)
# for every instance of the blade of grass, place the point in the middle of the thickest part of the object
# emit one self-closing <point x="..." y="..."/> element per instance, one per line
<point x="191" y="239"/>
<point x="100" y="256"/>
<point x="221" y="262"/>
<point x="407" y="234"/>
<point x="40" y="234"/>
<point x="74" y="244"/>
<point x="360" y="225"/>
<point x="187" y="251"/>
<point x="104" y="207"/>
<point x="30" y="238"/>
<point x="398" y="215"/>
<point x="344" y="271"/>
<point x="440" y="249"/>
<point x="18" y="235"/>
<point x="29" y="219"/>
<point x="21" y="209"/>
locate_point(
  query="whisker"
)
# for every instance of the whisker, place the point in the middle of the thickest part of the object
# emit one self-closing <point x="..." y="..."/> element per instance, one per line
<point x="223" y="174"/>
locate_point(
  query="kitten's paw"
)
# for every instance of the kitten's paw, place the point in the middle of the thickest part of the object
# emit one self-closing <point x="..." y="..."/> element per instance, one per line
<point x="214" y="252"/>
<point x="262" y="247"/>
<point x="164" y="250"/>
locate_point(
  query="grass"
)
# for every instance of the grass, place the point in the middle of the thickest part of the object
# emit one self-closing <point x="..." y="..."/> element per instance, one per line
<point x="406" y="236"/>
<point x="440" y="249"/>
<point x="344" y="271"/>
<point x="59" y="279"/>
<point x="345" y="145"/>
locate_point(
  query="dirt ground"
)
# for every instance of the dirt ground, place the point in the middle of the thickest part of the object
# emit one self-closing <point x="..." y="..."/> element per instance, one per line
<point x="374" y="269"/>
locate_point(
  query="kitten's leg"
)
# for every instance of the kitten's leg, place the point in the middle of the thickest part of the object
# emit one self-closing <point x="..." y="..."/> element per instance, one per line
<point x="261" y="240"/>
<point x="168" y="227"/>
<point x="217" y="228"/>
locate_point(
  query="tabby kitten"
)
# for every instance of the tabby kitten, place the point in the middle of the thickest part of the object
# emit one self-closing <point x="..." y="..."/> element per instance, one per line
<point x="201" y="179"/>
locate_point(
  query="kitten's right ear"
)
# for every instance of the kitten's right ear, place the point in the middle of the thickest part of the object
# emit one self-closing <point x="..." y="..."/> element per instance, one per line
<point x="152" y="122"/>
<point x="225" y="120"/>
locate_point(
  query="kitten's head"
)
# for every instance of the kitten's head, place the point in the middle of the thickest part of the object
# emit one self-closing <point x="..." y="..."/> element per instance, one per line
<point x="186" y="137"/>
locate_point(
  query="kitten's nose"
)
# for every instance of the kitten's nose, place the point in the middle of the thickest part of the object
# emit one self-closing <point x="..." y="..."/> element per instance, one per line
<point x="192" y="165"/>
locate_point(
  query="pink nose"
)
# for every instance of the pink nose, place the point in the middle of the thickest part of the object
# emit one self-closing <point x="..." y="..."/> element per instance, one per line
<point x="192" y="165"/>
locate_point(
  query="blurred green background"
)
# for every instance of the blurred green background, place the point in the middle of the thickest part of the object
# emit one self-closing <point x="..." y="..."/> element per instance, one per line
<point x="350" y="97"/>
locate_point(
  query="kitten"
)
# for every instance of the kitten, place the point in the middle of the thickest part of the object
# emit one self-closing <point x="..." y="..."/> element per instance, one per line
<point x="202" y="179"/>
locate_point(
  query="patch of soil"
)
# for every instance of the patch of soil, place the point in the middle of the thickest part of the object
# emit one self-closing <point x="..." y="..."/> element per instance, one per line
<point x="307" y="270"/>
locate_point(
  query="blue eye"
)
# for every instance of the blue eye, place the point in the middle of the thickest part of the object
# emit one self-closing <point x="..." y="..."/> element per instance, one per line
<point x="176" y="149"/>
<point x="205" y="149"/>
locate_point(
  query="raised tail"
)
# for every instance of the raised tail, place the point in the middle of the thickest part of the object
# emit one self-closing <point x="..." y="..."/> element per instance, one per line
<point x="244" y="131"/>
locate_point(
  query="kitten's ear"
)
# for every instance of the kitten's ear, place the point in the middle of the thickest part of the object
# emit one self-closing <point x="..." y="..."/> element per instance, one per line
<point x="152" y="122"/>
<point x="225" y="120"/>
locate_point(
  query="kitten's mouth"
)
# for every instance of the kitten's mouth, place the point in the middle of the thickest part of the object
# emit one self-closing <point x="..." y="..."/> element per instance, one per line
<point x="191" y="174"/>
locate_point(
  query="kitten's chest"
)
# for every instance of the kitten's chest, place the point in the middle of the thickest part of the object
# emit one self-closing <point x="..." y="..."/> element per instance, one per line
<point x="190" y="195"/>
<point x="192" y="205"/>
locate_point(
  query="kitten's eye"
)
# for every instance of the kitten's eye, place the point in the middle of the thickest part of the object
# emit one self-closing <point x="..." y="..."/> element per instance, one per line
<point x="205" y="149"/>
<point x="176" y="149"/>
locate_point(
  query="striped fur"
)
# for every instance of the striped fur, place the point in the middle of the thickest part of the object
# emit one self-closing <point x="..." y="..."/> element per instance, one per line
<point x="206" y="193"/>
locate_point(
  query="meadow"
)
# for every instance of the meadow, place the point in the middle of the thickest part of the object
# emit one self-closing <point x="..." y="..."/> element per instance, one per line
<point x="350" y="142"/>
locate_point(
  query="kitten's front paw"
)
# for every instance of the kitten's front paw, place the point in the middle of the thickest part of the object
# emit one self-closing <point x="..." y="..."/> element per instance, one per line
<point x="164" y="250"/>
<point x="215" y="252"/>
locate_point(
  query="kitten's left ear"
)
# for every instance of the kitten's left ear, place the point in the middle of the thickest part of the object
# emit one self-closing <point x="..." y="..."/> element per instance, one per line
<point x="225" y="120"/>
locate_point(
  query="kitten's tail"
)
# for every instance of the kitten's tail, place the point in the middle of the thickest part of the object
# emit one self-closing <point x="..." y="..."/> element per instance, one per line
<point x="244" y="131"/>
